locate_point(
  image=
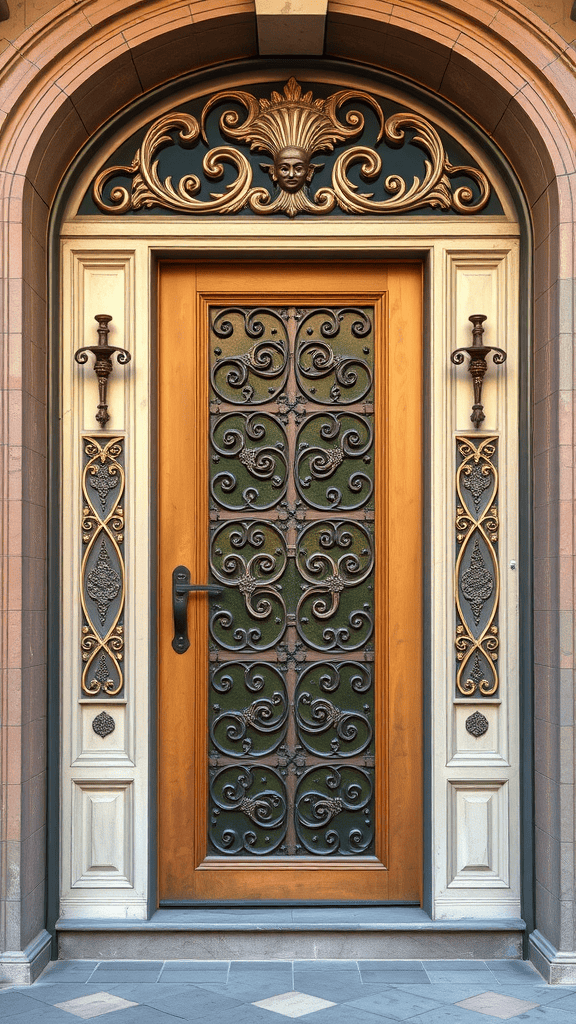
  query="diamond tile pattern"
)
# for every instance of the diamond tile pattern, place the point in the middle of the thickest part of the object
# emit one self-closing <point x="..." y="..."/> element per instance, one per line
<point x="294" y="1004"/>
<point x="315" y="992"/>
<point x="493" y="1004"/>
<point x="94" y="1005"/>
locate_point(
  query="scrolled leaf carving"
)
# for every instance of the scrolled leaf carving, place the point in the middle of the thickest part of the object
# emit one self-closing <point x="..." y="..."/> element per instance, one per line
<point x="292" y="127"/>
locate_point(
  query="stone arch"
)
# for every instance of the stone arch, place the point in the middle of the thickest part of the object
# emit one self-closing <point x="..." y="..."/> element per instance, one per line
<point x="500" y="64"/>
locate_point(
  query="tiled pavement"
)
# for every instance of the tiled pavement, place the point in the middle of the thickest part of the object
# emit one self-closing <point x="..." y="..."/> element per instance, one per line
<point x="314" y="991"/>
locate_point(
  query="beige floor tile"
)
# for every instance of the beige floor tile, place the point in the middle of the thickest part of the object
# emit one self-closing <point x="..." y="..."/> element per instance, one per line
<point x="94" y="1005"/>
<point x="495" y="1004"/>
<point x="294" y="1004"/>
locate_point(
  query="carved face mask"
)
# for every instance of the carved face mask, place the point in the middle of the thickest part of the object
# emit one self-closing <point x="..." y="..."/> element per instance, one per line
<point x="291" y="169"/>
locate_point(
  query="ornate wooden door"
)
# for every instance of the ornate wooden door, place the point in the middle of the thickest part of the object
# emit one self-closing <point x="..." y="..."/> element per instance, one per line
<point x="290" y="479"/>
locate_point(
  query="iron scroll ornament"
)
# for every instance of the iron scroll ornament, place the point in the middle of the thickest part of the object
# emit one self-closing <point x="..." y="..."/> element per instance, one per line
<point x="291" y="127"/>
<point x="478" y="366"/>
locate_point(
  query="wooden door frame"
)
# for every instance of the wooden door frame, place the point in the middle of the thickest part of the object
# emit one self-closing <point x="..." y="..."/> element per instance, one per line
<point x="407" y="371"/>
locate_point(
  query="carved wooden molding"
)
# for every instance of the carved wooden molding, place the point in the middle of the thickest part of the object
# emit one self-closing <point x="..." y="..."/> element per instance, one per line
<point x="292" y="127"/>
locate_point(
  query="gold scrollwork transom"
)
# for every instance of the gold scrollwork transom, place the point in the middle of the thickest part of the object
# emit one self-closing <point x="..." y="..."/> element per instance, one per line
<point x="292" y="127"/>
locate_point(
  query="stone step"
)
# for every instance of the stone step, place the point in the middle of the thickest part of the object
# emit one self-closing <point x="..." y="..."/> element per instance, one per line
<point x="288" y="933"/>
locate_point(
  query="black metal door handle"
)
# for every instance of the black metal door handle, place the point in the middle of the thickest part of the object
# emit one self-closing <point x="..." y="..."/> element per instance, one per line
<point x="181" y="587"/>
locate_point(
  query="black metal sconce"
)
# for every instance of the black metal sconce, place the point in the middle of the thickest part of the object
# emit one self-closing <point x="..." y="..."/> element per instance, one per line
<point x="477" y="366"/>
<point x="103" y="367"/>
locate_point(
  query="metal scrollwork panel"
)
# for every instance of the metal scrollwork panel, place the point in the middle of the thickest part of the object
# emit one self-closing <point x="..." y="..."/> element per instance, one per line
<point x="248" y="556"/>
<point x="249" y="711"/>
<point x="249" y="355"/>
<point x="333" y="810"/>
<point x="249" y="453"/>
<point x="102" y="571"/>
<point x="334" y="707"/>
<point x="248" y="810"/>
<point x="477" y="574"/>
<point x="335" y="613"/>
<point x="331" y="365"/>
<point x="297" y="586"/>
<point x="334" y="468"/>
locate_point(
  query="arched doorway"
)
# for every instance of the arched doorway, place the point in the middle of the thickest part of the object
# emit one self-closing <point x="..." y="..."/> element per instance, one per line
<point x="128" y="214"/>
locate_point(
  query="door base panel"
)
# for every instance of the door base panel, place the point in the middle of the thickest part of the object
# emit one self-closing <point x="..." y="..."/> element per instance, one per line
<point x="383" y="933"/>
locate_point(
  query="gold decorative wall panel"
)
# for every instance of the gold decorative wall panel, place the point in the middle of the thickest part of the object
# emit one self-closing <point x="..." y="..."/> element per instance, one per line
<point x="102" y="574"/>
<point x="477" y="574"/>
<point x="292" y="127"/>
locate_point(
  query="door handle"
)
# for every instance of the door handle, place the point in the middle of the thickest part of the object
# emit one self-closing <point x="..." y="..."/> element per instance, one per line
<point x="181" y="587"/>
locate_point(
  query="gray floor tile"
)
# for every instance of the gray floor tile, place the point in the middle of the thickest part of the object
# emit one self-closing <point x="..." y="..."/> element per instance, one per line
<point x="130" y="965"/>
<point x="395" y="978"/>
<point x="564" y="1001"/>
<point x="219" y="988"/>
<point x="326" y="965"/>
<point x="385" y="965"/>
<point x="192" y="977"/>
<point x="65" y="977"/>
<point x="485" y="978"/>
<point x="55" y="966"/>
<point x="104" y="977"/>
<point x="318" y="983"/>
<point x="394" y="1003"/>
<point x="456" y="1015"/>
<point x="244" y="1014"/>
<point x="13" y="1004"/>
<point x="57" y="993"/>
<point x="260" y="977"/>
<point x="342" y="1015"/>
<point x="250" y="991"/>
<point x="134" y="1015"/>
<point x="41" y="1014"/>
<point x="144" y="992"/>
<point x="256" y="966"/>
<point x="537" y="992"/>
<point x="547" y="1015"/>
<point x="515" y="966"/>
<point x="504" y="977"/>
<point x="196" y="965"/>
<point x="191" y="1003"/>
<point x="455" y="965"/>
<point x="446" y="993"/>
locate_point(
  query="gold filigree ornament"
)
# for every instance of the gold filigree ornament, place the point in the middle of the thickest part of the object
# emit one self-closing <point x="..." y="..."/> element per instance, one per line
<point x="102" y="574"/>
<point x="292" y="127"/>
<point x="477" y="571"/>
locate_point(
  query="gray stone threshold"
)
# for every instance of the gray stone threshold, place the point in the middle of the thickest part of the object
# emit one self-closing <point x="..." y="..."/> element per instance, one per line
<point x="290" y="933"/>
<point x="343" y="919"/>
